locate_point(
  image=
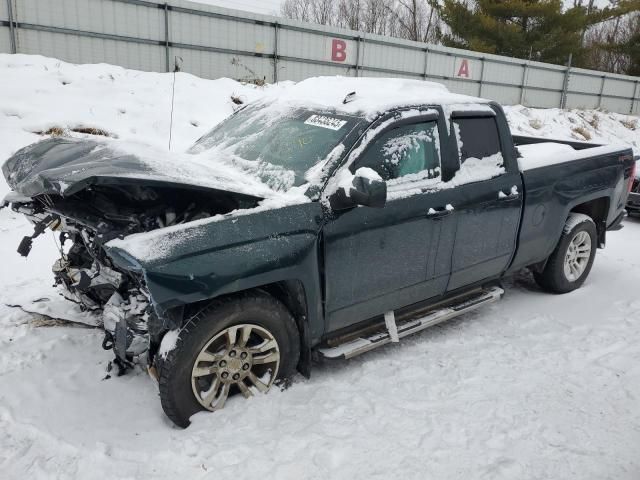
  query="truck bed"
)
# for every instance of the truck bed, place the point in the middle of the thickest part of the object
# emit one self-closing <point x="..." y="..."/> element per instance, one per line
<point x="562" y="176"/>
<point x="537" y="152"/>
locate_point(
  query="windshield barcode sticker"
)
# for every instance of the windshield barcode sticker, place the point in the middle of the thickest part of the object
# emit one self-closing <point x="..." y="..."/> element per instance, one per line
<point x="325" y="122"/>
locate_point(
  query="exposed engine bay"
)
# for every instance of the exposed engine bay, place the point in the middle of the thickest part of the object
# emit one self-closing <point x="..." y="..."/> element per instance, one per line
<point x="88" y="219"/>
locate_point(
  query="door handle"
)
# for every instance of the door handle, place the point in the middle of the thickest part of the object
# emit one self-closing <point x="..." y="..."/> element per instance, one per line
<point x="512" y="195"/>
<point x="432" y="213"/>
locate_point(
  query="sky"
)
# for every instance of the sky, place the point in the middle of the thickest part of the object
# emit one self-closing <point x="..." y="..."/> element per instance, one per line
<point x="266" y="7"/>
<point x="272" y="7"/>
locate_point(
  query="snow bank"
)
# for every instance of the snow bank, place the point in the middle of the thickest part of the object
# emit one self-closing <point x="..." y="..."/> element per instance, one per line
<point x="594" y="126"/>
<point x="39" y="93"/>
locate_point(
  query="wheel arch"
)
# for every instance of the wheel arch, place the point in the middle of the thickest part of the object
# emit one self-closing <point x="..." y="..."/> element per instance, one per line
<point x="291" y="293"/>
<point x="598" y="210"/>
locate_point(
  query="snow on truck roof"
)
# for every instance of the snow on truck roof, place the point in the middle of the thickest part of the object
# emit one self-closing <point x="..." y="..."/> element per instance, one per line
<point x="372" y="95"/>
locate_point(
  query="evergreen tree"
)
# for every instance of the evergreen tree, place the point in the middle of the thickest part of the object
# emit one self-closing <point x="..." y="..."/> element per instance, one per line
<point x="530" y="29"/>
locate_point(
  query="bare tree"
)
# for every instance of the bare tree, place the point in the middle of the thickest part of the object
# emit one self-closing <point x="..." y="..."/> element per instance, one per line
<point x="296" y="10"/>
<point x="417" y="19"/>
<point x="349" y="13"/>
<point x="323" y="12"/>
<point x="606" y="43"/>
<point x="411" y="19"/>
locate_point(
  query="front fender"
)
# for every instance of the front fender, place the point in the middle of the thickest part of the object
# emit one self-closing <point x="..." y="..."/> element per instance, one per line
<point x="220" y="256"/>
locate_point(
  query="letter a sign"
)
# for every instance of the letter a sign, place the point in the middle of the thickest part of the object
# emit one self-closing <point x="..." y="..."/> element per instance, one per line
<point x="462" y="68"/>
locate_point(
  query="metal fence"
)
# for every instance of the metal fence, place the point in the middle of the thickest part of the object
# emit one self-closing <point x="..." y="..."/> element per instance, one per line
<point x="216" y="42"/>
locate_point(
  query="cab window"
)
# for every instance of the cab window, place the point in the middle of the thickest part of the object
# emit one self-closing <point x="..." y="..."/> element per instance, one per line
<point x="477" y="137"/>
<point x="406" y="152"/>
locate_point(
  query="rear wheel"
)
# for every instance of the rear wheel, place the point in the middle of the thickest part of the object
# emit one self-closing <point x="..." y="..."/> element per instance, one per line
<point x="236" y="346"/>
<point x="570" y="263"/>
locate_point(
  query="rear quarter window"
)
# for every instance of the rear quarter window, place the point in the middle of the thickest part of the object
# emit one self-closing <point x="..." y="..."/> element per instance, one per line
<point x="477" y="137"/>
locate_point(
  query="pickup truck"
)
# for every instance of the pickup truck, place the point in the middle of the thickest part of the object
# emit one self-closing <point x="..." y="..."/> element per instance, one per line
<point x="319" y="223"/>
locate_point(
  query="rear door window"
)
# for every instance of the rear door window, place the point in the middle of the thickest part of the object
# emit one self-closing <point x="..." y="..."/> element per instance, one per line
<point x="405" y="153"/>
<point x="477" y="137"/>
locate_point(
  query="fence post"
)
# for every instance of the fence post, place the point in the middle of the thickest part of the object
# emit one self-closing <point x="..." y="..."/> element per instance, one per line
<point x="357" y="54"/>
<point x="12" y="29"/>
<point x="604" y="78"/>
<point x="523" y="83"/>
<point x="166" y="37"/>
<point x="565" y="85"/>
<point x="635" y="94"/>
<point x="426" y="63"/>
<point x="481" y="75"/>
<point x="275" y="52"/>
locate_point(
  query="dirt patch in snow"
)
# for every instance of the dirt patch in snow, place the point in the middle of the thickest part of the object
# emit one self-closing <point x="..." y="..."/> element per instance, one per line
<point x="65" y="132"/>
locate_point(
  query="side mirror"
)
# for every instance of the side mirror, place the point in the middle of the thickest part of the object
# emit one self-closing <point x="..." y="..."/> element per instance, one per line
<point x="362" y="191"/>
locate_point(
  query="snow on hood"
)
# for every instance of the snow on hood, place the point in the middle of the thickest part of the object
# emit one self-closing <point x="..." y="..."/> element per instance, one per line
<point x="66" y="165"/>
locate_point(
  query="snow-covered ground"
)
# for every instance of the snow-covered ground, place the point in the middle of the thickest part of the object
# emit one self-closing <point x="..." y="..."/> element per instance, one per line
<point x="537" y="386"/>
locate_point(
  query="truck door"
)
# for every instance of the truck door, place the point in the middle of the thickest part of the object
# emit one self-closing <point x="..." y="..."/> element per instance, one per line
<point x="380" y="259"/>
<point x="488" y="211"/>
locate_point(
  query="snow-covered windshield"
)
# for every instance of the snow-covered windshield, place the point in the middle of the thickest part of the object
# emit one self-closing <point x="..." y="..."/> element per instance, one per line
<point x="278" y="145"/>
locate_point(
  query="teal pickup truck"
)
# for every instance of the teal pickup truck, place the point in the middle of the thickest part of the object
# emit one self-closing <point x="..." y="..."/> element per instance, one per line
<point x="323" y="222"/>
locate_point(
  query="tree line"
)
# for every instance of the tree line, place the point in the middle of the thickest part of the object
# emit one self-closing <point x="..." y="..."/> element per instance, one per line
<point x="598" y="37"/>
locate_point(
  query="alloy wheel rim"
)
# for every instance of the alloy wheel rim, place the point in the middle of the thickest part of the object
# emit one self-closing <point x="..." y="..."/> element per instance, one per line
<point x="577" y="256"/>
<point x="242" y="358"/>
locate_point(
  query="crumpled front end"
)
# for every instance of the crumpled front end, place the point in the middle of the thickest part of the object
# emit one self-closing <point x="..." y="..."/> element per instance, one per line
<point x="87" y="205"/>
<point x="88" y="277"/>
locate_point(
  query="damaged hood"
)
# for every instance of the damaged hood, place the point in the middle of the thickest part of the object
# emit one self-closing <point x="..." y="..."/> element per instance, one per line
<point x="64" y="166"/>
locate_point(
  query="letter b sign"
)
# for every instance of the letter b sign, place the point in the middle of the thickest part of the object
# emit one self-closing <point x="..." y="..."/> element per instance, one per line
<point x="338" y="50"/>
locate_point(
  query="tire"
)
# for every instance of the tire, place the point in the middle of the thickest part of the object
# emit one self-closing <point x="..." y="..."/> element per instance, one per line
<point x="263" y="316"/>
<point x="555" y="278"/>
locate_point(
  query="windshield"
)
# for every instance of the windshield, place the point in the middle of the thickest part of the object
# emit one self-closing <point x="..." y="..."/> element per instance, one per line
<point x="278" y="145"/>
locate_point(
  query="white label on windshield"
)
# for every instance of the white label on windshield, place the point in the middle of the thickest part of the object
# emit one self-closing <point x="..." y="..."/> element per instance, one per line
<point x="325" y="122"/>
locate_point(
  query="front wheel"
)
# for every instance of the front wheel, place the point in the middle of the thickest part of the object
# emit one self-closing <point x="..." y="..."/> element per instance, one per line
<point x="236" y="346"/>
<point x="570" y="263"/>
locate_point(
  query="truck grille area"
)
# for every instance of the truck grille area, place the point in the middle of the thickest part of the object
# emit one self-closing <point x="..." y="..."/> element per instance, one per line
<point x="87" y="277"/>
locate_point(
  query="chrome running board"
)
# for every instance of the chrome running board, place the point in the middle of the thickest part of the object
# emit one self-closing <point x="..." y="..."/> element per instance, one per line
<point x="410" y="325"/>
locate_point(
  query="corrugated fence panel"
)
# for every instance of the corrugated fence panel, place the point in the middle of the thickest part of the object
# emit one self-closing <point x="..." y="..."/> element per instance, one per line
<point x="541" y="98"/>
<point x="316" y="47"/>
<point x="465" y="87"/>
<point x="616" y="104"/>
<point x="216" y="42"/>
<point x="98" y="16"/>
<point x="215" y="65"/>
<point x="297" y="71"/>
<point x="501" y="72"/>
<point x="582" y="100"/>
<point x="5" y="39"/>
<point x="585" y="83"/>
<point x="391" y="57"/>
<point x="448" y="66"/>
<point x="72" y="48"/>
<point x="5" y="33"/>
<point x="373" y="73"/>
<point x="545" y="78"/>
<point x="502" y="94"/>
<point x="221" y="33"/>
<point x="620" y="88"/>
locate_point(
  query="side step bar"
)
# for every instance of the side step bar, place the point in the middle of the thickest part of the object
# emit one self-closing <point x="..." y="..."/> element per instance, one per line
<point x="406" y="327"/>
